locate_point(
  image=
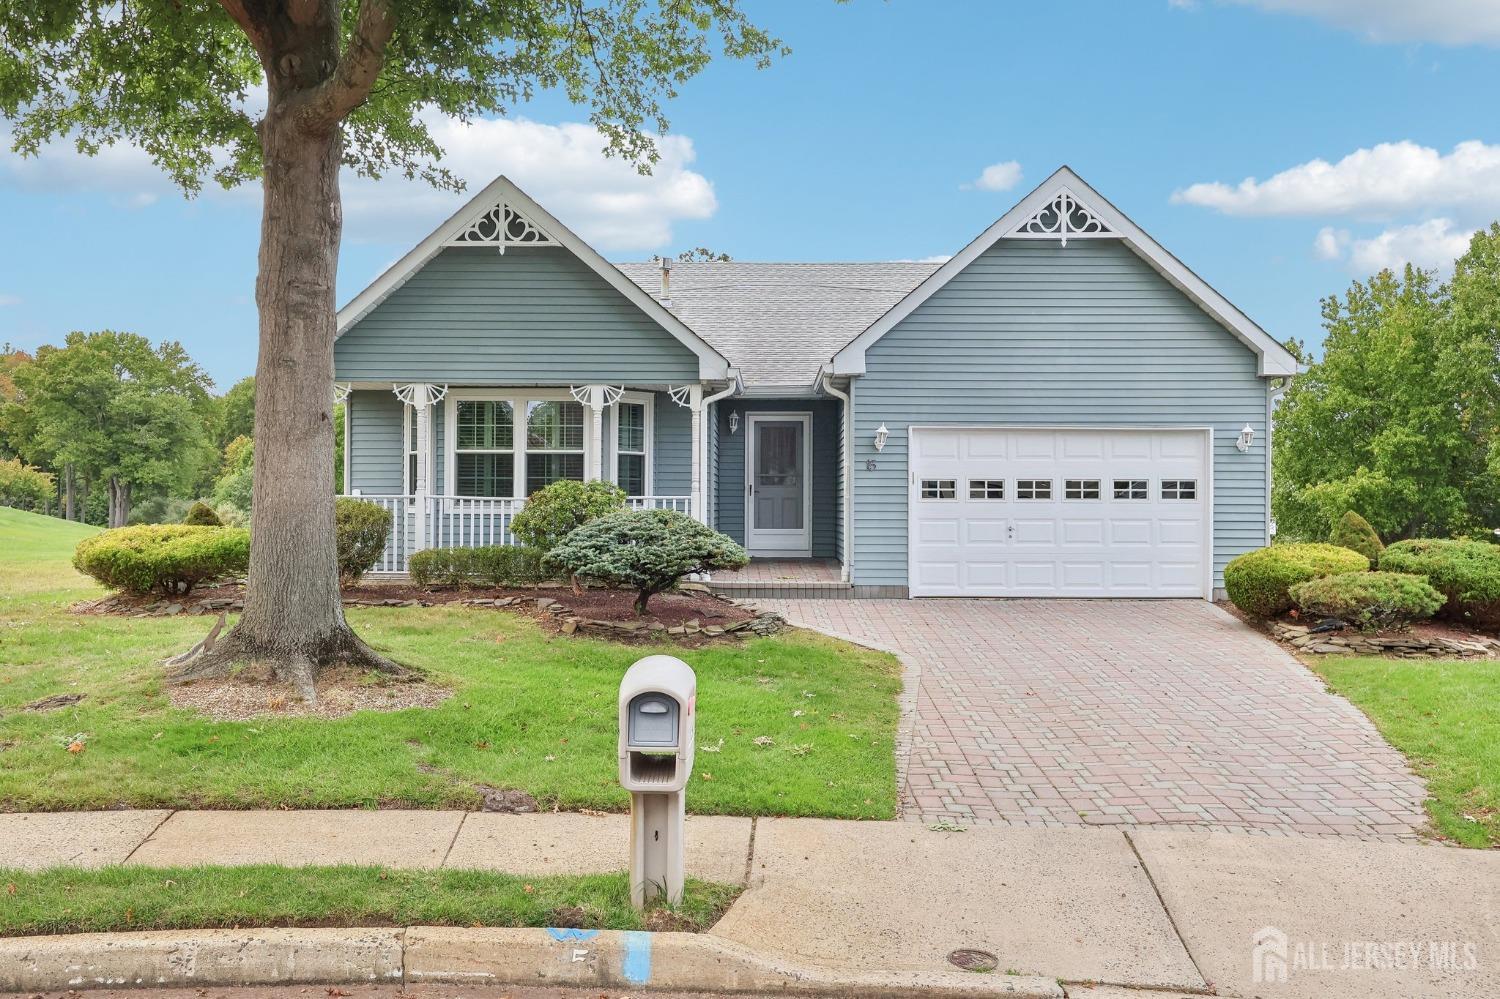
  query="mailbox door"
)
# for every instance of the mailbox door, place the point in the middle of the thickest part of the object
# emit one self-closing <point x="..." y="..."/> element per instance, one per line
<point x="653" y="721"/>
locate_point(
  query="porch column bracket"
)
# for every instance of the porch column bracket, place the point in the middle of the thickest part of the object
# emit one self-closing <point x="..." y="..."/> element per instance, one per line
<point x="596" y="397"/>
<point x="341" y="391"/>
<point x="682" y="394"/>
<point x="422" y="396"/>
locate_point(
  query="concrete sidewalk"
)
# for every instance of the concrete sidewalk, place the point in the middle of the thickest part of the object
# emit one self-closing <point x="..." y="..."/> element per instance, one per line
<point x="1156" y="909"/>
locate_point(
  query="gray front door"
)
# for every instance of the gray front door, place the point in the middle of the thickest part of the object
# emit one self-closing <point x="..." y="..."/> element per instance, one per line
<point x="776" y="484"/>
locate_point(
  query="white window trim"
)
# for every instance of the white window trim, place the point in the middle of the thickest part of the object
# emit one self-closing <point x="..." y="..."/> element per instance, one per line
<point x="408" y="447"/>
<point x="518" y="398"/>
<point x="648" y="401"/>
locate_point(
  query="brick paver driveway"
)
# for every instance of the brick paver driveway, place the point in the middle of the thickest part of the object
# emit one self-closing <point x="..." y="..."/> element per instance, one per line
<point x="1102" y="712"/>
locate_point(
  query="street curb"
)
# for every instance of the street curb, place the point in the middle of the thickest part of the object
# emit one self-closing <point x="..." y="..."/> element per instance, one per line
<point x="590" y="958"/>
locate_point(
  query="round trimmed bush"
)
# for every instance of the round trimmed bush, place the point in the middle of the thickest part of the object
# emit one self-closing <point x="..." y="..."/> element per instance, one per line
<point x="1355" y="533"/>
<point x="360" y="532"/>
<point x="553" y="512"/>
<point x="1369" y="599"/>
<point x="200" y="514"/>
<point x="1259" y="582"/>
<point x="1466" y="573"/>
<point x="646" y="550"/>
<point x="171" y="558"/>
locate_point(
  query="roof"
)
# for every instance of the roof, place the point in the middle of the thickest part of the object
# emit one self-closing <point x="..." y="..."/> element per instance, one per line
<point x="1065" y="207"/>
<point x="779" y="323"/>
<point x="500" y="215"/>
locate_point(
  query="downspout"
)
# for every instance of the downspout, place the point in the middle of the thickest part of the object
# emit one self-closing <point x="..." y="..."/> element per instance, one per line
<point x="827" y="384"/>
<point x="702" y="443"/>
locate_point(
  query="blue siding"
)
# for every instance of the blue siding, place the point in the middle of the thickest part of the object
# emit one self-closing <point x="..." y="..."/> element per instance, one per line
<point x="672" y="459"/>
<point x="530" y="316"/>
<point x="1035" y="333"/>
<point x="730" y="515"/>
<point x="375" y="442"/>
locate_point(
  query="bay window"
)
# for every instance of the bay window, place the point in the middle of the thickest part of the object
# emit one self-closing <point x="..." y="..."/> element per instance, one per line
<point x="554" y="443"/>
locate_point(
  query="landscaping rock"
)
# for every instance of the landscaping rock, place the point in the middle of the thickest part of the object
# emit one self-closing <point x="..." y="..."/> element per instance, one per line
<point x="570" y="625"/>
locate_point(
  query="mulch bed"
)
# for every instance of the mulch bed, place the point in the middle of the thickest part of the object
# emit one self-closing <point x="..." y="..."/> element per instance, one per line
<point x="340" y="693"/>
<point x="1422" y="639"/>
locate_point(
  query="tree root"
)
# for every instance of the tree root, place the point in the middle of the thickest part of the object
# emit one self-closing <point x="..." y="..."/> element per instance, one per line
<point x="214" y="658"/>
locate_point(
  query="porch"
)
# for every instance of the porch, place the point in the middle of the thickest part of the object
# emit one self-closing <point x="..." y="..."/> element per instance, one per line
<point x="783" y="578"/>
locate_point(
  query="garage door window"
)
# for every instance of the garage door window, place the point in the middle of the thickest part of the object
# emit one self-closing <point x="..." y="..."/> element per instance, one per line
<point x="1034" y="489"/>
<point x="1131" y="489"/>
<point x="986" y="489"/>
<point x="939" y="489"/>
<point x="1081" y="489"/>
<point x="1179" y="489"/>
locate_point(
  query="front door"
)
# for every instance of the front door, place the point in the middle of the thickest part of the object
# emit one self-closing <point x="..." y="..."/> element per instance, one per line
<point x="778" y="512"/>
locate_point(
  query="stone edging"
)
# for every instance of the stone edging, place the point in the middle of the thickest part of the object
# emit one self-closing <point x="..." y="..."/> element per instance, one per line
<point x="763" y="624"/>
<point x="1357" y="643"/>
<point x="602" y="959"/>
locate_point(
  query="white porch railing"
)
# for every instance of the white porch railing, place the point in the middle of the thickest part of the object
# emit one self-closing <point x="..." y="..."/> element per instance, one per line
<point x="466" y="522"/>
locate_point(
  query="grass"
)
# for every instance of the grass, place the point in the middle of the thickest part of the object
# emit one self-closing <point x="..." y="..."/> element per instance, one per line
<point x="1445" y="717"/>
<point x="530" y="711"/>
<point x="68" y="900"/>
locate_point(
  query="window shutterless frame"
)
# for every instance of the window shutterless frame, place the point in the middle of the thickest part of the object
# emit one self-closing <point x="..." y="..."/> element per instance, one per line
<point x="647" y="401"/>
<point x="518" y="399"/>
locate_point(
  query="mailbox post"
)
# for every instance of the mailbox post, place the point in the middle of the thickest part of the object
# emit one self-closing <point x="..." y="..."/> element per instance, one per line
<point x="658" y="700"/>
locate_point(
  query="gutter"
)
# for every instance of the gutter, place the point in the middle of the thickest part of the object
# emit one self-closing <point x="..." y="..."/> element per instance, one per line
<point x="825" y="381"/>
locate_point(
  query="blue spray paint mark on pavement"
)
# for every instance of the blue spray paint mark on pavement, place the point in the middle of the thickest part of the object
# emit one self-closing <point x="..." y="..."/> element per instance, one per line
<point x="637" y="969"/>
<point x="568" y="934"/>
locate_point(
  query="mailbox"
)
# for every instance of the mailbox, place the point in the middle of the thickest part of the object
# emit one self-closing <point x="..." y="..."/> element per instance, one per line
<point x="658" y="699"/>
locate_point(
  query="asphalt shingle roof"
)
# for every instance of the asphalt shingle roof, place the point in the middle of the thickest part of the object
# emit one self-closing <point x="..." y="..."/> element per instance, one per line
<point x="778" y="322"/>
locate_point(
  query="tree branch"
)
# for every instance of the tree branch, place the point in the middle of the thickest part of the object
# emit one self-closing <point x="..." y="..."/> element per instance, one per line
<point x="358" y="67"/>
<point x="303" y="12"/>
<point x="239" y="15"/>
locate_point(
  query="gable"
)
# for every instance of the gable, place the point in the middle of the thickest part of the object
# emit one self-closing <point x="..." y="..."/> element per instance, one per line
<point x="1061" y="210"/>
<point x="535" y="315"/>
<point x="503" y="221"/>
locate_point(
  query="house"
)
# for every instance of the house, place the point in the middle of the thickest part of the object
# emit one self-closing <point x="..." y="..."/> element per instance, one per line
<point x="1061" y="409"/>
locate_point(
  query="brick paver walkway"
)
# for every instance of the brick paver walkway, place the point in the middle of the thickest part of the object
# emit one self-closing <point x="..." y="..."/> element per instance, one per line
<point x="1096" y="712"/>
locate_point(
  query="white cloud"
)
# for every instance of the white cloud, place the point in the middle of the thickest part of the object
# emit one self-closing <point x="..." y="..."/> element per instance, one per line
<point x="1450" y="22"/>
<point x="606" y="201"/>
<point x="6" y="299"/>
<point x="1433" y="244"/>
<point x="996" y="177"/>
<point x="1381" y="181"/>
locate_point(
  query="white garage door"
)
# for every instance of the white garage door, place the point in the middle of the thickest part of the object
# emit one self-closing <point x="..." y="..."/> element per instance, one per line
<point x="1059" y="513"/>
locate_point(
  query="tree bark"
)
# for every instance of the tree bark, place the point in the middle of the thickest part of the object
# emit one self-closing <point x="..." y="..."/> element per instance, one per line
<point x="119" y="501"/>
<point x="68" y="494"/>
<point x="293" y="620"/>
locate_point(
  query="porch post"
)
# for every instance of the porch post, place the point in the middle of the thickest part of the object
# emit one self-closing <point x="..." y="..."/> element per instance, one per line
<point x="596" y="403"/>
<point x="421" y="398"/>
<point x="695" y="497"/>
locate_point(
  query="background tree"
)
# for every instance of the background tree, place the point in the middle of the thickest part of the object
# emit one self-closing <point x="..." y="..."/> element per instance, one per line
<point x="346" y="86"/>
<point x="121" y="412"/>
<point x="237" y="412"/>
<point x="1398" y="419"/>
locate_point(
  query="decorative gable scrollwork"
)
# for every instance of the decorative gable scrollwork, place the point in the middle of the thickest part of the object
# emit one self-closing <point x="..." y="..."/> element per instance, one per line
<point x="1063" y="218"/>
<point x="502" y="226"/>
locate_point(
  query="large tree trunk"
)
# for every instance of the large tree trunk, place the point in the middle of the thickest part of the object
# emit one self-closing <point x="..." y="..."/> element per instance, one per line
<point x="119" y="501"/>
<point x="294" y="619"/>
<point x="68" y="493"/>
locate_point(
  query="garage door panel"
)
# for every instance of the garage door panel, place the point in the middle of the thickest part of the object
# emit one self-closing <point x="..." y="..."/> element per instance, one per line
<point x="1085" y="538"/>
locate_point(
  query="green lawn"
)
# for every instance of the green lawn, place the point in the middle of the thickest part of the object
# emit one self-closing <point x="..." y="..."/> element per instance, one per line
<point x="531" y="711"/>
<point x="1445" y="716"/>
<point x="69" y="900"/>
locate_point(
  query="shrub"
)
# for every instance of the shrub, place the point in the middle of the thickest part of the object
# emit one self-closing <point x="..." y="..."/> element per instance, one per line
<point x="555" y="511"/>
<point x="200" y="514"/>
<point x="489" y="565"/>
<point x="1355" y="533"/>
<point x="360" y="530"/>
<point x="1466" y="573"/>
<point x="1369" y="599"/>
<point x="172" y="558"/>
<point x="24" y="487"/>
<point x="646" y="550"/>
<point x="1259" y="582"/>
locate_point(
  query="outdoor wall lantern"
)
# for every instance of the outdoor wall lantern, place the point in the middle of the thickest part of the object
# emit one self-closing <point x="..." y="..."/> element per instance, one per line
<point x="881" y="433"/>
<point x="734" y="422"/>
<point x="1247" y="437"/>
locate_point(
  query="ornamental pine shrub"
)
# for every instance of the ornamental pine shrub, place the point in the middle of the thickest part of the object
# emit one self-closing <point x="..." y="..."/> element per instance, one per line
<point x="170" y="558"/>
<point x="1466" y="573"/>
<point x="200" y="514"/>
<point x="645" y="550"/>
<point x="360" y="532"/>
<point x="1369" y="599"/>
<point x="1355" y="533"/>
<point x="1259" y="582"/>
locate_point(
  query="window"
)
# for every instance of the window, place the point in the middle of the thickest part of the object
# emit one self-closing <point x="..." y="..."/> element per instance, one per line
<point x="987" y="489"/>
<point x="1179" y="489"/>
<point x="1081" y="489"/>
<point x="484" y="448"/>
<point x="410" y="485"/>
<point x="1033" y="489"/>
<point x="554" y="443"/>
<point x="1130" y="489"/>
<point x="939" y="488"/>
<point x="630" y="447"/>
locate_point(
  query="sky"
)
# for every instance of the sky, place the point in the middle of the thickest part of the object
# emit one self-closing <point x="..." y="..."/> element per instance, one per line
<point x="1280" y="148"/>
